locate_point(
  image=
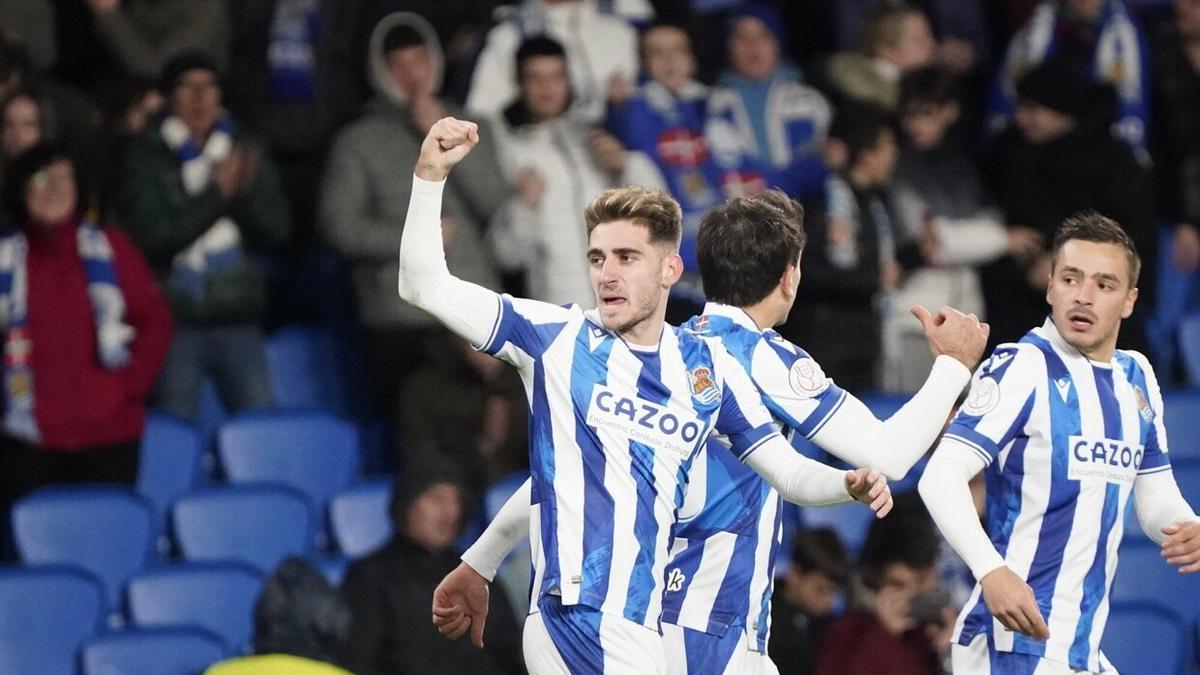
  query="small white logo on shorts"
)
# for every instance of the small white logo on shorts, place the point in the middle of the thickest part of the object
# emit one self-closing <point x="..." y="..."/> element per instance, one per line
<point x="676" y="580"/>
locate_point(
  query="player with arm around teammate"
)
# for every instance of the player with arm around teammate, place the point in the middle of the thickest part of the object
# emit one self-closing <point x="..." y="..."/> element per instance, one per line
<point x="620" y="405"/>
<point x="1067" y="429"/>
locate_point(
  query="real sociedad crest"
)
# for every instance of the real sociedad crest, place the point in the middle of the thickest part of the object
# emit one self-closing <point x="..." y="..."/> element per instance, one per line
<point x="703" y="388"/>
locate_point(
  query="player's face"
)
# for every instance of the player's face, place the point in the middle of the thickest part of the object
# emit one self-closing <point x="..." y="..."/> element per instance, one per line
<point x="631" y="277"/>
<point x="668" y="57"/>
<point x="1089" y="293"/>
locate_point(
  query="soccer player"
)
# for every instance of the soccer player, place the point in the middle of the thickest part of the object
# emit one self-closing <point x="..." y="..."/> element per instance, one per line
<point x="719" y="582"/>
<point x="620" y="405"/>
<point x="1066" y="427"/>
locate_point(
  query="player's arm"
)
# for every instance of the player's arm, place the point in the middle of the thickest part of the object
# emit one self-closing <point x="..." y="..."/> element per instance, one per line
<point x="998" y="407"/>
<point x="853" y="433"/>
<point x="469" y="310"/>
<point x="460" y="601"/>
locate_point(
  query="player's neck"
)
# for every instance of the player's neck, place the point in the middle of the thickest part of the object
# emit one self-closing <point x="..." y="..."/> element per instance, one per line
<point x="762" y="314"/>
<point x="648" y="332"/>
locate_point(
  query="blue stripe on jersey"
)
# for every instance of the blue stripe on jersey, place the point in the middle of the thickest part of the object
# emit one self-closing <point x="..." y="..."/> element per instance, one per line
<point x="707" y="654"/>
<point x="588" y="370"/>
<point x="575" y="632"/>
<point x="734" y="591"/>
<point x="764" y="604"/>
<point x="1153" y="458"/>
<point x="1064" y="493"/>
<point x="645" y="525"/>
<point x="541" y="461"/>
<point x="511" y="326"/>
<point x="683" y="569"/>
<point x="1095" y="582"/>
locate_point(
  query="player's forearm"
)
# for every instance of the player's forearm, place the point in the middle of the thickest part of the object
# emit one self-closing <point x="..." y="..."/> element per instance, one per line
<point x="944" y="488"/>
<point x="425" y="281"/>
<point x="502" y="535"/>
<point x="854" y="434"/>
<point x="798" y="479"/>
<point x="1159" y="503"/>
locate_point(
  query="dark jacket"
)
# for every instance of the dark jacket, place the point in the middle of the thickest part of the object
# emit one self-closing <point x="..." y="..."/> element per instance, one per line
<point x="390" y="593"/>
<point x="164" y="219"/>
<point x="1176" y="138"/>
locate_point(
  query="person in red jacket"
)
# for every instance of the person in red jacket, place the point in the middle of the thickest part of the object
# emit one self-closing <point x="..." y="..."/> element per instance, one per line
<point x="85" y="330"/>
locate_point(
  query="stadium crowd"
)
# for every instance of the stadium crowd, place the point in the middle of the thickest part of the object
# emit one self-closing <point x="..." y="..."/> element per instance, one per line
<point x="182" y="179"/>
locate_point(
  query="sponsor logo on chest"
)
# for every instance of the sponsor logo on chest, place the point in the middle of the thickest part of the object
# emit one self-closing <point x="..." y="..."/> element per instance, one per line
<point x="657" y="426"/>
<point x="1114" y="461"/>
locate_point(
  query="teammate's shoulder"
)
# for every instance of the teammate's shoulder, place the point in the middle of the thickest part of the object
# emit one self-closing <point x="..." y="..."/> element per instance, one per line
<point x="1009" y="355"/>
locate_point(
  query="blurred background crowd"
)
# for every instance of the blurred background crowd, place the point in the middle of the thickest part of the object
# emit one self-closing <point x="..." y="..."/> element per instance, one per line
<point x="203" y="199"/>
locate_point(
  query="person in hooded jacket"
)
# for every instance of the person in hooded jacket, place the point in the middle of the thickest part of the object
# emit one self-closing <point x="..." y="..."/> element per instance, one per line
<point x="363" y="205"/>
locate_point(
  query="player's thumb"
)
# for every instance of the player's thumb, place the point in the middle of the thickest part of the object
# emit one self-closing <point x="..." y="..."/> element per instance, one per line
<point x="923" y="316"/>
<point x="477" y="624"/>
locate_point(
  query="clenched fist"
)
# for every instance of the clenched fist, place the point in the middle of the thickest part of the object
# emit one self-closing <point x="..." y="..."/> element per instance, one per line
<point x="448" y="141"/>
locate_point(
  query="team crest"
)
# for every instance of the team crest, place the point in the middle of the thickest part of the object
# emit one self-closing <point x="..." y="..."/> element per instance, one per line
<point x="1144" y="408"/>
<point x="703" y="388"/>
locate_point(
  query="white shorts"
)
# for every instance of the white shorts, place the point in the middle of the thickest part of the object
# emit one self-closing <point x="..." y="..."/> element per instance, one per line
<point x="693" y="652"/>
<point x="581" y="640"/>
<point x="978" y="659"/>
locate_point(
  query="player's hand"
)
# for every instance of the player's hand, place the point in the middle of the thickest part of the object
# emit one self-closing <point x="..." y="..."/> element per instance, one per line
<point x="448" y="141"/>
<point x="954" y="334"/>
<point x="1011" y="601"/>
<point x="460" y="603"/>
<point x="1182" y="546"/>
<point x="871" y="488"/>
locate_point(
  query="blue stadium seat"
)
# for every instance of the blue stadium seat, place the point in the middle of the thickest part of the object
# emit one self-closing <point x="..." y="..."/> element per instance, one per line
<point x="1189" y="346"/>
<point x="315" y="453"/>
<point x="170" y="462"/>
<point x="218" y="597"/>
<point x="1143" y="638"/>
<point x="152" y="651"/>
<point x="1143" y="576"/>
<point x="45" y="615"/>
<point x="259" y="525"/>
<point x="1187" y="474"/>
<point x="1181" y="415"/>
<point x="333" y="567"/>
<point x="499" y="492"/>
<point x="306" y="372"/>
<point x="850" y="521"/>
<point x="108" y="531"/>
<point x="359" y="517"/>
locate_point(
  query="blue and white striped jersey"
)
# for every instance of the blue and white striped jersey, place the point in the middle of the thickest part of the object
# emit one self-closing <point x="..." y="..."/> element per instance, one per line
<point x="1064" y="439"/>
<point x="614" y="429"/>
<point x="722" y="568"/>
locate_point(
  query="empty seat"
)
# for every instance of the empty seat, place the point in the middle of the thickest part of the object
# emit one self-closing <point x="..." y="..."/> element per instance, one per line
<point x="333" y="567"/>
<point x="1144" y="576"/>
<point x="45" y="615"/>
<point x="256" y="524"/>
<point x="218" y="597"/>
<point x="359" y="517"/>
<point x="152" y="651"/>
<point x="170" y="462"/>
<point x="1143" y="638"/>
<point x="1181" y="415"/>
<point x="315" y="453"/>
<point x="306" y="370"/>
<point x="108" y="531"/>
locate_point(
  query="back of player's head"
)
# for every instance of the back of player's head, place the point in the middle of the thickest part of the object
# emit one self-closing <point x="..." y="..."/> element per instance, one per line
<point x="907" y="536"/>
<point x="1091" y="226"/>
<point x="883" y="26"/>
<point x="654" y="209"/>
<point x="745" y="245"/>
<point x="538" y="45"/>
<point x="820" y="551"/>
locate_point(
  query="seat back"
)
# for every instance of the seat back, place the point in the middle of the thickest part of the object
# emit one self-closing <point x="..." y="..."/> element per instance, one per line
<point x="218" y="597"/>
<point x="152" y="651"/>
<point x="1142" y="637"/>
<point x="46" y="613"/>
<point x="170" y="463"/>
<point x="359" y="517"/>
<point x="259" y="525"/>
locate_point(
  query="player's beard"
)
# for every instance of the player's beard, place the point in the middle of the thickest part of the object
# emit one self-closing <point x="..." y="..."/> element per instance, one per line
<point x="644" y="309"/>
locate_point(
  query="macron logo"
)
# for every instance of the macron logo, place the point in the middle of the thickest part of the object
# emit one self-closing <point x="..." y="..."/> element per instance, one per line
<point x="1064" y="388"/>
<point x="998" y="360"/>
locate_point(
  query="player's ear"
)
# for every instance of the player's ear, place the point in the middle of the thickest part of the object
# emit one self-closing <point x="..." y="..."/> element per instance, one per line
<point x="1130" y="298"/>
<point x="672" y="269"/>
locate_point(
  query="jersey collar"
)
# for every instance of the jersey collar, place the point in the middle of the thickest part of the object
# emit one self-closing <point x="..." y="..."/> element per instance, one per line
<point x="734" y="314"/>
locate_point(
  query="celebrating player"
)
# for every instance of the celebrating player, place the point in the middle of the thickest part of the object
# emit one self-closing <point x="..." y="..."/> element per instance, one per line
<point x="1066" y="427"/>
<point x="620" y="406"/>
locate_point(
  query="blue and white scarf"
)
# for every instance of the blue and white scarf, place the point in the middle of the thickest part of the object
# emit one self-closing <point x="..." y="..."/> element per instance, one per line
<point x="113" y="335"/>
<point x="291" y="53"/>
<point x="1120" y="60"/>
<point x="220" y="247"/>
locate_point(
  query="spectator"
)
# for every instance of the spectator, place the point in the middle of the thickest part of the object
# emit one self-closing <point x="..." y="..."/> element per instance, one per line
<point x="601" y="51"/>
<point x="939" y="198"/>
<point x="763" y="122"/>
<point x="903" y="621"/>
<point x="1094" y="40"/>
<point x="389" y="590"/>
<point x="478" y="420"/>
<point x="961" y="25"/>
<point x="1059" y="159"/>
<point x="298" y="79"/>
<point x="664" y="119"/>
<point x="804" y="599"/>
<point x="896" y="39"/>
<point x="301" y="626"/>
<point x="558" y="163"/>
<point x="146" y="34"/>
<point x="854" y="255"/>
<point x="27" y="120"/>
<point x="86" y="331"/>
<point x="363" y="203"/>
<point x="201" y="199"/>
<point x="1177" y="139"/>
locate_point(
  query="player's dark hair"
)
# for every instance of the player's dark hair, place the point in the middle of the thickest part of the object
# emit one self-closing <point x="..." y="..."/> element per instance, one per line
<point x="907" y="536"/>
<point x="657" y="211"/>
<point x="746" y="244"/>
<point x="821" y="551"/>
<point x="1091" y="226"/>
<point x="538" y="45"/>
<point x="402" y="36"/>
